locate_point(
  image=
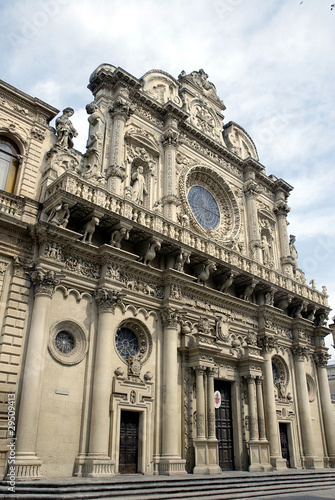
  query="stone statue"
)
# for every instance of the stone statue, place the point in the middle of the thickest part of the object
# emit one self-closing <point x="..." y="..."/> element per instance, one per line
<point x="150" y="254"/>
<point x="60" y="215"/>
<point x="65" y="129"/>
<point x="89" y="229"/>
<point x="293" y="251"/>
<point x="182" y="258"/>
<point x="118" y="235"/>
<point x="139" y="188"/>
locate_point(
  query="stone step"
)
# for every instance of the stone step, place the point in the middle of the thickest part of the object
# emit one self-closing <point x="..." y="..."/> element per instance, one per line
<point x="216" y="487"/>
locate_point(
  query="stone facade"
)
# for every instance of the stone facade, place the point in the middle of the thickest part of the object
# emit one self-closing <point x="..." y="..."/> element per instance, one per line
<point x="150" y="291"/>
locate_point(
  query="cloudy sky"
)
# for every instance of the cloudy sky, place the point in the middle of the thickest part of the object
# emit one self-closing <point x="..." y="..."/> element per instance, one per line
<point x="272" y="62"/>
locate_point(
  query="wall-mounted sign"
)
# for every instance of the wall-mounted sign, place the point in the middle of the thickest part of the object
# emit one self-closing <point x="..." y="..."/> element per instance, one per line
<point x="217" y="399"/>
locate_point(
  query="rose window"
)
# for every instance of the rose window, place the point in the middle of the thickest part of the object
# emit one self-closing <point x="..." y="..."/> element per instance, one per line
<point x="126" y="342"/>
<point x="204" y="207"/>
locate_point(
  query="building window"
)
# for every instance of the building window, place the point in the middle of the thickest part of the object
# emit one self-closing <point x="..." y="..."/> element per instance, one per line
<point x="9" y="164"/>
<point x="126" y="342"/>
<point x="133" y="340"/>
<point x="67" y="342"/>
<point x="204" y="207"/>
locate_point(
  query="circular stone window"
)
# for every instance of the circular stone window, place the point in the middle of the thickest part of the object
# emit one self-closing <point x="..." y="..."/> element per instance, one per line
<point x="209" y="203"/>
<point x="133" y="339"/>
<point x="126" y="343"/>
<point x="67" y="343"/>
<point x="204" y="207"/>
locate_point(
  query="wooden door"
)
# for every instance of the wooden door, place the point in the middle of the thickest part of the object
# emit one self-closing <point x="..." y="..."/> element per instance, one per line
<point x="224" y="426"/>
<point x="128" y="458"/>
<point x="284" y="443"/>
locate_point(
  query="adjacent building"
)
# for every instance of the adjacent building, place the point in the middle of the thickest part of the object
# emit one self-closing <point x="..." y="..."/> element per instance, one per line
<point x="155" y="318"/>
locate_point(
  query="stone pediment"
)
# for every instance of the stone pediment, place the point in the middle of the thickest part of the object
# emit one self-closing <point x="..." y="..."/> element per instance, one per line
<point x="199" y="81"/>
<point x="238" y="141"/>
<point x="161" y="86"/>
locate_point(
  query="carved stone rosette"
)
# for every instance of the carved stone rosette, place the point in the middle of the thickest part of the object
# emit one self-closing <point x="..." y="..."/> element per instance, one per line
<point x="107" y="299"/>
<point x="44" y="281"/>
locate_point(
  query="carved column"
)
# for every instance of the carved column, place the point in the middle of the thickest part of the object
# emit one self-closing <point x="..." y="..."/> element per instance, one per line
<point x="212" y="442"/>
<point x="321" y="359"/>
<point x="250" y="192"/>
<point x="170" y="463"/>
<point x="27" y="463"/>
<point x="281" y="210"/>
<point x="260" y="409"/>
<point x="120" y="111"/>
<point x="253" y="419"/>
<point x="276" y="460"/>
<point x="309" y="460"/>
<point x="98" y="462"/>
<point x="170" y="200"/>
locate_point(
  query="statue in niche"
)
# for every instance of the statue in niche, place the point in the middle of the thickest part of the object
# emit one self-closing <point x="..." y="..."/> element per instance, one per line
<point x="65" y="130"/>
<point x="139" y="188"/>
<point x="60" y="215"/>
<point x="266" y="250"/>
<point x="293" y="251"/>
<point x="89" y="230"/>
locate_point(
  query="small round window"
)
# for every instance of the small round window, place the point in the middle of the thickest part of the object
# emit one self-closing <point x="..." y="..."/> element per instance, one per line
<point x="204" y="207"/>
<point x="65" y="342"/>
<point x="126" y="342"/>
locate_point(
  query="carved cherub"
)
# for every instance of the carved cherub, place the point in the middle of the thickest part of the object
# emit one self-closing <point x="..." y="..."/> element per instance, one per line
<point x="89" y="230"/>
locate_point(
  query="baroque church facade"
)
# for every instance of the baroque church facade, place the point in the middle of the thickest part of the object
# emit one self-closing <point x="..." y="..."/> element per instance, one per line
<point x="154" y="316"/>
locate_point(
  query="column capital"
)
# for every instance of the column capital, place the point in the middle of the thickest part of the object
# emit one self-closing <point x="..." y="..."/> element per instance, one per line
<point x="251" y="379"/>
<point x="170" y="317"/>
<point x="44" y="280"/>
<point x="299" y="353"/>
<point x="170" y="138"/>
<point x="267" y="343"/>
<point x="107" y="299"/>
<point x="250" y="189"/>
<point x="281" y="208"/>
<point x="200" y="370"/>
<point x="259" y="380"/>
<point x="122" y="108"/>
<point x="321" y="358"/>
<point x="211" y="371"/>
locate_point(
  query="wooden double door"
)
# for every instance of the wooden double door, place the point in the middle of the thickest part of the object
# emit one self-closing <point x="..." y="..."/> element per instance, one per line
<point x="224" y="426"/>
<point x="128" y="457"/>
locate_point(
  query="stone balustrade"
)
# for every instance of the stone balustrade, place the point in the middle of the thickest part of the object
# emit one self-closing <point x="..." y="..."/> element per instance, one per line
<point x="11" y="204"/>
<point x="72" y="183"/>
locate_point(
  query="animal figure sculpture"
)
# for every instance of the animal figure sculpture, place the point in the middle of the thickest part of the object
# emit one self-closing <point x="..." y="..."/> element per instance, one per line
<point x="228" y="282"/>
<point x="150" y="254"/>
<point x="247" y="292"/>
<point x="89" y="230"/>
<point x="204" y="275"/>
